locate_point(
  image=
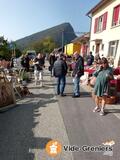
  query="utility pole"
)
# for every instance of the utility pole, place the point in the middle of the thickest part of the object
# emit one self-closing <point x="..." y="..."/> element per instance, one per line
<point x="14" y="51"/>
<point x="62" y="40"/>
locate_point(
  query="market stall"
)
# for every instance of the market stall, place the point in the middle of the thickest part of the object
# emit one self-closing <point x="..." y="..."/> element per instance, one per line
<point x="7" y="96"/>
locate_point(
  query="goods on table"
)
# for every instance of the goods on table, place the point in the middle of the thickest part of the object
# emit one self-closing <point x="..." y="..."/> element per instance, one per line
<point x="7" y="96"/>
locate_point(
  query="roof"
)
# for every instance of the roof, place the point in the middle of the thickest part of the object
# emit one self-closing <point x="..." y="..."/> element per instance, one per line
<point x="84" y="37"/>
<point x="100" y="4"/>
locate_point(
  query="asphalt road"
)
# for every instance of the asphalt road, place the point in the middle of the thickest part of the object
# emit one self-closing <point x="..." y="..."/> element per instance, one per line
<point x="87" y="128"/>
<point x="26" y="129"/>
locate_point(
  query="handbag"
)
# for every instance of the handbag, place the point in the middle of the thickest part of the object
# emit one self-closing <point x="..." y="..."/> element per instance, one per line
<point x="92" y="81"/>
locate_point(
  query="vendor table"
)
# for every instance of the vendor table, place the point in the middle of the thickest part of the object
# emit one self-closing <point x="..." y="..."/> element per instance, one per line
<point x="116" y="84"/>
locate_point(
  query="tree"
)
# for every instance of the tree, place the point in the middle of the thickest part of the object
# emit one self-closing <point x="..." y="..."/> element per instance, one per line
<point x="46" y="45"/>
<point x="5" y="52"/>
<point x="49" y="45"/>
<point x="18" y="52"/>
<point x="8" y="49"/>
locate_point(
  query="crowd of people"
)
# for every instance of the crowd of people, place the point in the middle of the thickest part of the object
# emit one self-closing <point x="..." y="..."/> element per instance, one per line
<point x="58" y="67"/>
<point x="102" y="76"/>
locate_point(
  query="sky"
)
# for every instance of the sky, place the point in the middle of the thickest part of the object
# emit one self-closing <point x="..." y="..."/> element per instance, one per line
<point x="21" y="18"/>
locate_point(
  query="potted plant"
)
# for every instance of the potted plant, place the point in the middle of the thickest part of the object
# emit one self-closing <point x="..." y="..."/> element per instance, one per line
<point x="24" y="78"/>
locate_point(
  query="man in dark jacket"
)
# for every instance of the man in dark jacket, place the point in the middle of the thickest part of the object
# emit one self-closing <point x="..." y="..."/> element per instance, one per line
<point x="60" y="71"/>
<point x="78" y="71"/>
<point x="52" y="59"/>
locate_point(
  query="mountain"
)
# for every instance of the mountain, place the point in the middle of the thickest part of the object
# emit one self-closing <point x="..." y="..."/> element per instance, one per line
<point x="63" y="31"/>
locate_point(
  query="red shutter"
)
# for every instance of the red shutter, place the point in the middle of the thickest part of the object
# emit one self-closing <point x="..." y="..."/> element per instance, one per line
<point x="116" y="14"/>
<point x="95" y="25"/>
<point x="104" y="20"/>
<point x="83" y="48"/>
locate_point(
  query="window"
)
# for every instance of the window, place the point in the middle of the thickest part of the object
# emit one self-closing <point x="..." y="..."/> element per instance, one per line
<point x="113" y="45"/>
<point x="93" y="47"/>
<point x="102" y="47"/>
<point x="116" y="16"/>
<point x="100" y="23"/>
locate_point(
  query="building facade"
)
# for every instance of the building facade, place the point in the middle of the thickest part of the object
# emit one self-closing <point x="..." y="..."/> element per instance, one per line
<point x="84" y="43"/>
<point x="70" y="48"/>
<point x="105" y="29"/>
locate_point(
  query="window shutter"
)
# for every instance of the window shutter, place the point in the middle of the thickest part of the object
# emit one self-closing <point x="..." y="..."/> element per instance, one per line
<point x="104" y="20"/>
<point x="95" y="25"/>
<point x="84" y="48"/>
<point x="116" y="15"/>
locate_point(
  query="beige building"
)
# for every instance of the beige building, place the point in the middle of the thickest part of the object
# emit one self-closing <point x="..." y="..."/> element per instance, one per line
<point x="105" y="29"/>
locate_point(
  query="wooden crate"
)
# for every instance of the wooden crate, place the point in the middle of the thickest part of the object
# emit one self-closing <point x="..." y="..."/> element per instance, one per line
<point x="109" y="100"/>
<point x="7" y="96"/>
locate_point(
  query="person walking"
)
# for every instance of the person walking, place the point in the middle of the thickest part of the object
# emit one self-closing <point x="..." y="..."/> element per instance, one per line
<point x="52" y="59"/>
<point x="12" y="61"/>
<point x="38" y="69"/>
<point x="101" y="88"/>
<point x="60" y="71"/>
<point x="90" y="59"/>
<point x="78" y="71"/>
<point x="27" y="64"/>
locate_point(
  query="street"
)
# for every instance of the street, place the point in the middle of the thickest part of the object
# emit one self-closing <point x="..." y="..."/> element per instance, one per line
<point x="27" y="128"/>
<point x="87" y="128"/>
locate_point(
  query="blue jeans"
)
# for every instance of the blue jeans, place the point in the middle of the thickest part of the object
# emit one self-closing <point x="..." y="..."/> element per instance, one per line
<point x="61" y="81"/>
<point x="76" y="86"/>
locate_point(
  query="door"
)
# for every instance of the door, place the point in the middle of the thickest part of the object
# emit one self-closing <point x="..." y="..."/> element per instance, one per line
<point x="97" y="47"/>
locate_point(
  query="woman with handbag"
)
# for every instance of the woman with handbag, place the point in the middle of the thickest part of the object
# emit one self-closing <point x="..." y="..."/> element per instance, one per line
<point x="103" y="76"/>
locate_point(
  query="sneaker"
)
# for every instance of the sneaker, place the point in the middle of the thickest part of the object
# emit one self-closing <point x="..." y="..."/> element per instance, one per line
<point x="102" y="113"/>
<point x="96" y="109"/>
<point x="75" y="96"/>
<point x="62" y="95"/>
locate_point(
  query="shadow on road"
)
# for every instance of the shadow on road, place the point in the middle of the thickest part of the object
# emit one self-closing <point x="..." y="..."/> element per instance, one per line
<point x="82" y="94"/>
<point x="112" y="111"/>
<point x="17" y="125"/>
<point x="45" y="87"/>
<point x="42" y="95"/>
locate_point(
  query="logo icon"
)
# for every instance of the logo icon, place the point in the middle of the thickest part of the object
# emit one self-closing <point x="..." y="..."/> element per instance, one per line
<point x="109" y="143"/>
<point x="53" y="148"/>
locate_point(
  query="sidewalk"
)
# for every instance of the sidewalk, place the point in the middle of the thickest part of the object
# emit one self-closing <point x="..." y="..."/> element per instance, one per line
<point x="85" y="128"/>
<point x="110" y="108"/>
<point x="47" y="118"/>
<point x="26" y="129"/>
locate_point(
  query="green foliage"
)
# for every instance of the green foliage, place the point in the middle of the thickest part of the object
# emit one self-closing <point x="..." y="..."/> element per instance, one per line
<point x="18" y="52"/>
<point x="4" y="49"/>
<point x="25" y="76"/>
<point x="45" y="46"/>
